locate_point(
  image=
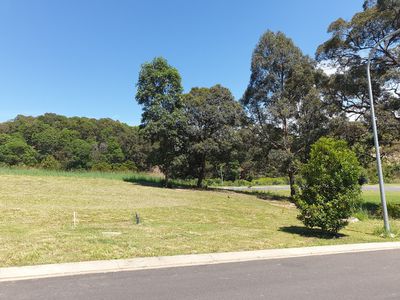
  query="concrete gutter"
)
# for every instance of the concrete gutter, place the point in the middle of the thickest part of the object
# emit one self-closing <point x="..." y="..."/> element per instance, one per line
<point x="104" y="266"/>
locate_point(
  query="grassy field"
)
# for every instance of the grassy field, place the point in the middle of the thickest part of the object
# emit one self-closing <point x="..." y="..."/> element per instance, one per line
<point x="82" y="174"/>
<point x="36" y="220"/>
<point x="373" y="197"/>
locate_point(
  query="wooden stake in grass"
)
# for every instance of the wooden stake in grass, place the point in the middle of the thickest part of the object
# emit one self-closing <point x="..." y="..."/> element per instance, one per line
<point x="74" y="219"/>
<point x="137" y="217"/>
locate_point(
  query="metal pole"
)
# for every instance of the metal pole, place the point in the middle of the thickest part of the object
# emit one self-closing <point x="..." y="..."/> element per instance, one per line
<point x="376" y="142"/>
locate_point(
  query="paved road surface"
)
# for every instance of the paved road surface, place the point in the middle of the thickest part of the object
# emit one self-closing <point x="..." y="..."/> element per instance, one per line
<point x="366" y="275"/>
<point x="388" y="188"/>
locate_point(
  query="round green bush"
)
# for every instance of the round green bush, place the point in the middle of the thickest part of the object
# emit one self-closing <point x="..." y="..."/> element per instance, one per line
<point x="330" y="189"/>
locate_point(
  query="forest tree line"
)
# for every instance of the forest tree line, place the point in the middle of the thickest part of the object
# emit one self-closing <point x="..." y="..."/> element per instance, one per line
<point x="290" y="102"/>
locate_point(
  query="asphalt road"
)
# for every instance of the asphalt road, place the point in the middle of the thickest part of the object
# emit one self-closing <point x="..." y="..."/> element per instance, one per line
<point x="388" y="188"/>
<point x="366" y="275"/>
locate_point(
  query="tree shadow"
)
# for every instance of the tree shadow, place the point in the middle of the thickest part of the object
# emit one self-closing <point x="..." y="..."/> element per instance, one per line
<point x="311" y="232"/>
<point x="265" y="195"/>
<point x="373" y="209"/>
<point x="144" y="181"/>
<point x="158" y="182"/>
<point x="179" y="184"/>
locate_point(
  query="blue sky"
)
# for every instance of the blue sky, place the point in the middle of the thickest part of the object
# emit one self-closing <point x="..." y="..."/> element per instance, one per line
<point x="82" y="57"/>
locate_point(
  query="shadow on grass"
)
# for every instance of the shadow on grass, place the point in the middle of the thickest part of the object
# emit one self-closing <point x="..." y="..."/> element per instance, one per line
<point x="310" y="232"/>
<point x="158" y="182"/>
<point x="187" y="184"/>
<point x="154" y="182"/>
<point x="264" y="195"/>
<point x="373" y="209"/>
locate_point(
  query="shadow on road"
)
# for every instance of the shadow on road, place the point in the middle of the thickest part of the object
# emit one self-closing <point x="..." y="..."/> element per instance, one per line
<point x="310" y="232"/>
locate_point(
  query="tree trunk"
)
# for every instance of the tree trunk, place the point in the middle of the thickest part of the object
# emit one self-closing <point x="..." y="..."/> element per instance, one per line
<point x="291" y="183"/>
<point x="166" y="183"/>
<point x="201" y="172"/>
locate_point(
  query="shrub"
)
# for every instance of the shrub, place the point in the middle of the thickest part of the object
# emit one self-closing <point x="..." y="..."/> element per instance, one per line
<point x="50" y="163"/>
<point x="126" y="166"/>
<point x="101" y="166"/>
<point x="391" y="173"/>
<point x="330" y="188"/>
<point x="393" y="210"/>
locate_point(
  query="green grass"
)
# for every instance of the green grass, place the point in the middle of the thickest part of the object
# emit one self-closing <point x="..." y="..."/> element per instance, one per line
<point x="36" y="220"/>
<point x="374" y="197"/>
<point x="132" y="177"/>
<point x="80" y="174"/>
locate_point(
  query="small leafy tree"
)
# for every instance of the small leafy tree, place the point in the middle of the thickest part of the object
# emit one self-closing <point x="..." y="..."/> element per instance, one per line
<point x="330" y="189"/>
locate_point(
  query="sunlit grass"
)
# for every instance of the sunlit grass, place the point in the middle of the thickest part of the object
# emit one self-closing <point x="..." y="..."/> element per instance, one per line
<point x="36" y="223"/>
<point x="374" y="196"/>
<point x="77" y="174"/>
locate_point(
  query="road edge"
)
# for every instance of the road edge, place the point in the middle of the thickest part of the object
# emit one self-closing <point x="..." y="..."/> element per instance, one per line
<point x="145" y="263"/>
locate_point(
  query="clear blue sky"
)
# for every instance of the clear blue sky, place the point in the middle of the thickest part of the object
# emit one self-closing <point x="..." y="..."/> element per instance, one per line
<point x="82" y="57"/>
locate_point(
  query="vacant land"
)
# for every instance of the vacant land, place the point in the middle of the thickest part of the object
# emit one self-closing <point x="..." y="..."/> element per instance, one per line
<point x="36" y="221"/>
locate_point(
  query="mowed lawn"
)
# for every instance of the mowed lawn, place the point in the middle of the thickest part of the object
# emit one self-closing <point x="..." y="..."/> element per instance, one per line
<point x="374" y="197"/>
<point x="36" y="221"/>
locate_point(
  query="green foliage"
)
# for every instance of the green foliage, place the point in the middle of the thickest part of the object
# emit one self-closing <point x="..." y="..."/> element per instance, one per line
<point x="391" y="173"/>
<point x="15" y="151"/>
<point x="213" y="120"/>
<point x="347" y="50"/>
<point x="56" y="142"/>
<point x="270" y="181"/>
<point x="330" y="190"/>
<point x="78" y="152"/>
<point x="392" y="208"/>
<point x="282" y="101"/>
<point x="50" y="163"/>
<point x="159" y="91"/>
<point x="101" y="166"/>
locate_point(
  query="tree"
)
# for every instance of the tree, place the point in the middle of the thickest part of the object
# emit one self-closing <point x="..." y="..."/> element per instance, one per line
<point x="136" y="148"/>
<point x="283" y="102"/>
<point x="213" y="121"/>
<point x="346" y="51"/>
<point x="15" y="151"/>
<point x="46" y="141"/>
<point x="159" y="91"/>
<point x="78" y="155"/>
<point x="60" y="142"/>
<point x="330" y="189"/>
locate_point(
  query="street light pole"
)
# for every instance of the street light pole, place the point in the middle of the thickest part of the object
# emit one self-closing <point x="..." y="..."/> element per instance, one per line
<point x="376" y="142"/>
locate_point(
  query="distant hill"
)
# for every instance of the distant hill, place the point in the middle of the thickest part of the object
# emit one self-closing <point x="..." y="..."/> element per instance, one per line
<point x="54" y="141"/>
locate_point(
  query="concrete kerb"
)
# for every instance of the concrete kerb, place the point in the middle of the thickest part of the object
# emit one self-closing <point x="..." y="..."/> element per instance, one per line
<point x="105" y="266"/>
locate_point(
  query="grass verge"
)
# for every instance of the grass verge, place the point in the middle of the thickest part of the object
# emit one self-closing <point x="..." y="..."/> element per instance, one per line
<point x="36" y="221"/>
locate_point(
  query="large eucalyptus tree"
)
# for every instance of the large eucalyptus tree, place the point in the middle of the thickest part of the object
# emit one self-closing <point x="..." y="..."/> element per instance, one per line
<point x="282" y="100"/>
